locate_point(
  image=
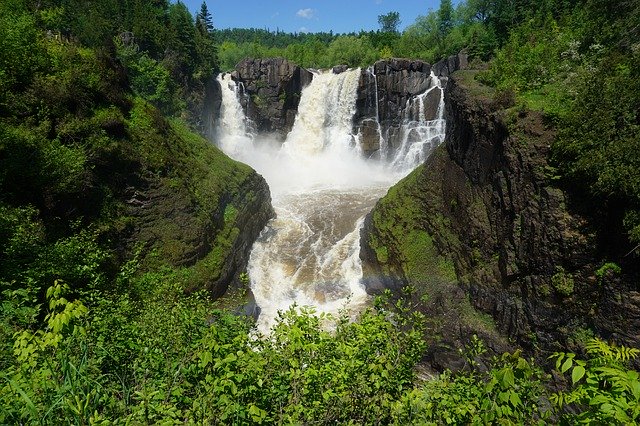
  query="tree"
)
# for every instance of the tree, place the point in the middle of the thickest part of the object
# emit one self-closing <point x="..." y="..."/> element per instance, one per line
<point x="389" y="22"/>
<point x="181" y="52"/>
<point x="445" y="17"/>
<point x="204" y="22"/>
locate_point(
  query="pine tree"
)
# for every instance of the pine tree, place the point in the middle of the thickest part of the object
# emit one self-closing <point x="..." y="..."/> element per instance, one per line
<point x="204" y="22"/>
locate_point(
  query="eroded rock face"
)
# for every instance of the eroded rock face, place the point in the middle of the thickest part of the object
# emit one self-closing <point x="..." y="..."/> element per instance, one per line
<point x="272" y="90"/>
<point x="489" y="204"/>
<point x="389" y="85"/>
<point x="396" y="81"/>
<point x="216" y="240"/>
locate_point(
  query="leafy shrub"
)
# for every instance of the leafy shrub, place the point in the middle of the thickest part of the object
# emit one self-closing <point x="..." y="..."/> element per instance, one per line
<point x="605" y="390"/>
<point x="562" y="282"/>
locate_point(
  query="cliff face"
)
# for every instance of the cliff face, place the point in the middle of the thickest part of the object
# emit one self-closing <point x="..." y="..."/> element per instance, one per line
<point x="487" y="201"/>
<point x="383" y="92"/>
<point x="201" y="210"/>
<point x="272" y="90"/>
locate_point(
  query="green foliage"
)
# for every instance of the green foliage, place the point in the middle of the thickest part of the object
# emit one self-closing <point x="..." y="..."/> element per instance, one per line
<point x="150" y="354"/>
<point x="20" y="52"/>
<point x="510" y="392"/>
<point x="605" y="390"/>
<point x="608" y="269"/>
<point x="601" y="160"/>
<point x="352" y="51"/>
<point x="148" y="78"/>
<point x="389" y="22"/>
<point x="555" y="61"/>
<point x="562" y="282"/>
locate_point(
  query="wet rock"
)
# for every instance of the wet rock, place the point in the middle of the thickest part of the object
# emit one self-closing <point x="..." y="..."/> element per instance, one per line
<point x="392" y="83"/>
<point x="339" y="69"/>
<point x="272" y="90"/>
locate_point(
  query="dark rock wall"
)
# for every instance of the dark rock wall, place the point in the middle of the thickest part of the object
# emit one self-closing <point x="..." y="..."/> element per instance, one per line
<point x="253" y="204"/>
<point x="488" y="200"/>
<point x="272" y="88"/>
<point x="398" y="81"/>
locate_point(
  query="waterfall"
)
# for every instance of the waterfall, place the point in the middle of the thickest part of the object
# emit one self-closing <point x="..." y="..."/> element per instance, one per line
<point x="324" y="115"/>
<point x="233" y="135"/>
<point x="384" y="146"/>
<point x="420" y="136"/>
<point x="321" y="188"/>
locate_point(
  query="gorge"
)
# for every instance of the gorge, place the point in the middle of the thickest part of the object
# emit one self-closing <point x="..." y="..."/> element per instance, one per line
<point x="326" y="174"/>
<point x="479" y="228"/>
<point x="327" y="232"/>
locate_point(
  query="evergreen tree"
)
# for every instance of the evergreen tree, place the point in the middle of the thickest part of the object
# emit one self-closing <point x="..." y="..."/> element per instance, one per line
<point x="204" y="22"/>
<point x="445" y="17"/>
<point x="181" y="54"/>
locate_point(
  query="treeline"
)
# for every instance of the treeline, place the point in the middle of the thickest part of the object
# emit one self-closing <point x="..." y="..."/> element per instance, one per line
<point x="168" y="53"/>
<point x="478" y="26"/>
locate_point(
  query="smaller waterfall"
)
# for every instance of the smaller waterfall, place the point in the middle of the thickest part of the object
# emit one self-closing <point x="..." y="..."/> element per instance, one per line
<point x="420" y="136"/>
<point x="233" y="133"/>
<point x="384" y="146"/>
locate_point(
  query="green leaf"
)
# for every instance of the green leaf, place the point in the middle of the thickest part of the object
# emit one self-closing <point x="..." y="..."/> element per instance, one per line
<point x="508" y="378"/>
<point x="577" y="373"/>
<point x="515" y="399"/>
<point x="566" y="365"/>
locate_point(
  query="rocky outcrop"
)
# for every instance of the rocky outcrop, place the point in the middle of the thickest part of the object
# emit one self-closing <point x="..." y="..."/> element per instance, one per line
<point x="271" y="92"/>
<point x="444" y="68"/>
<point x="383" y="92"/>
<point x="198" y="210"/>
<point x="487" y="201"/>
<point x="386" y="96"/>
<point x="211" y="107"/>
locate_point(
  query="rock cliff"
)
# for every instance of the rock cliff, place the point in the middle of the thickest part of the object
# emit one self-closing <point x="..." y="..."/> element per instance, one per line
<point x="486" y="204"/>
<point x="383" y="92"/>
<point x="272" y="90"/>
<point x="197" y="209"/>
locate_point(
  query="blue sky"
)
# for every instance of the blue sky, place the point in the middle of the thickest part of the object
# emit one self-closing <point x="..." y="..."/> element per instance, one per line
<point x="310" y="15"/>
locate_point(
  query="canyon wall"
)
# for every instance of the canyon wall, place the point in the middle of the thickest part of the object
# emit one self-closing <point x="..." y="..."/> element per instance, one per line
<point x="483" y="230"/>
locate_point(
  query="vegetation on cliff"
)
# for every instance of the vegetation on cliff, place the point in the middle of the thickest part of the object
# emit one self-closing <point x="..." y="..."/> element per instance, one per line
<point x="107" y="208"/>
<point x="581" y="69"/>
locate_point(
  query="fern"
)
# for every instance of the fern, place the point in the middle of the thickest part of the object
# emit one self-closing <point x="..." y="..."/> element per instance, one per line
<point x="605" y="390"/>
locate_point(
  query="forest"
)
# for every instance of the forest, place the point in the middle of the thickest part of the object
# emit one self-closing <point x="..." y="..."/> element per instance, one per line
<point x="98" y="327"/>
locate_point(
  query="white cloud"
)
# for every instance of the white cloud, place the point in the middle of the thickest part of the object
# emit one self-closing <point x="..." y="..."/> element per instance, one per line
<point x="303" y="30"/>
<point x="306" y="13"/>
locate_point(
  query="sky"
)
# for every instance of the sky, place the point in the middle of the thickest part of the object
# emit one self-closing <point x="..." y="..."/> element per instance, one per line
<point x="339" y="16"/>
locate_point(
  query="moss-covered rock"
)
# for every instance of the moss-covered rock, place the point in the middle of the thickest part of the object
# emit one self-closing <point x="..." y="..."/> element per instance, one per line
<point x="486" y="202"/>
<point x="88" y="158"/>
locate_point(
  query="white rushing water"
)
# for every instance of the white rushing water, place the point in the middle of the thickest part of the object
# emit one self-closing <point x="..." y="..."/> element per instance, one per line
<point x="321" y="190"/>
<point x="419" y="136"/>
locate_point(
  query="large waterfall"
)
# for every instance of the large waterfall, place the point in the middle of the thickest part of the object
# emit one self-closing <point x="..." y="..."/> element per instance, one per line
<point x="322" y="188"/>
